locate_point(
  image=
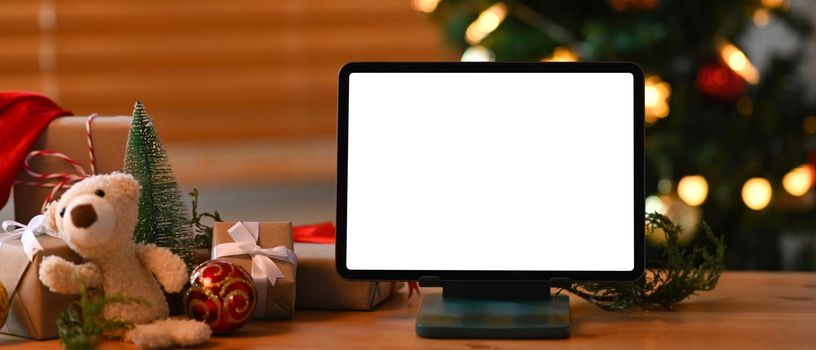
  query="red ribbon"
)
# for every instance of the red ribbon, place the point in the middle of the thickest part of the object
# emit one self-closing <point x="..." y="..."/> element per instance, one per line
<point x="326" y="233"/>
<point x="317" y="233"/>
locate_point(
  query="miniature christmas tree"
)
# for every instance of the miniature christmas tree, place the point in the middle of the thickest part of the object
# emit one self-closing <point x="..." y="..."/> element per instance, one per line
<point x="163" y="217"/>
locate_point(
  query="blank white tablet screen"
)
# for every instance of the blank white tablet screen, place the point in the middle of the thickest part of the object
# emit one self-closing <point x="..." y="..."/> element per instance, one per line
<point x="490" y="171"/>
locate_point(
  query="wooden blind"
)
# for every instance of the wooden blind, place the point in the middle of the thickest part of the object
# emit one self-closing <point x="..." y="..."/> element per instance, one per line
<point x="209" y="70"/>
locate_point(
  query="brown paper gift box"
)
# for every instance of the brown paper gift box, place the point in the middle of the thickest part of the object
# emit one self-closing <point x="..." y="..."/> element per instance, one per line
<point x="280" y="298"/>
<point x="321" y="287"/>
<point x="34" y="309"/>
<point x="67" y="135"/>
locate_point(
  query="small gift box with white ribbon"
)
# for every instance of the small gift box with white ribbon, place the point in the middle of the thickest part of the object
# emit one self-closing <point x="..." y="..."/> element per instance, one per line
<point x="34" y="309"/>
<point x="264" y="249"/>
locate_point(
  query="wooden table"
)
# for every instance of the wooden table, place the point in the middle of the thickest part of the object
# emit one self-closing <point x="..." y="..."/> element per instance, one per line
<point x="748" y="310"/>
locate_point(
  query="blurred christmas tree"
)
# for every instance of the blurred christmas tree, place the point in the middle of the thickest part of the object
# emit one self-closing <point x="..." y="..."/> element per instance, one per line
<point x="722" y="136"/>
<point x="163" y="217"/>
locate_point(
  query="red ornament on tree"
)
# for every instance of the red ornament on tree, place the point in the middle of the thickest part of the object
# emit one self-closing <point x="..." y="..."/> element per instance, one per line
<point x="717" y="81"/>
<point x="222" y="295"/>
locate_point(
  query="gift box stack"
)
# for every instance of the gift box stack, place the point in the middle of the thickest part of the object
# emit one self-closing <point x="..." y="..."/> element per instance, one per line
<point x="33" y="308"/>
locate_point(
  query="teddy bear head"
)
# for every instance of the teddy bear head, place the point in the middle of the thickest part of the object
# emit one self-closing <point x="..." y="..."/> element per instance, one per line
<point x="96" y="214"/>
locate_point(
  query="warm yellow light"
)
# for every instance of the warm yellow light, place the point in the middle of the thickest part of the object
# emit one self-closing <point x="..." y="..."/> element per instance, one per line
<point x="478" y="54"/>
<point x="772" y="4"/>
<point x="761" y="17"/>
<point x="756" y="193"/>
<point x="652" y="97"/>
<point x="739" y="63"/>
<point x="487" y="22"/>
<point x="797" y="182"/>
<point x="656" y="98"/>
<point x="562" y="54"/>
<point x="655" y="205"/>
<point x="693" y="190"/>
<point x="425" y="6"/>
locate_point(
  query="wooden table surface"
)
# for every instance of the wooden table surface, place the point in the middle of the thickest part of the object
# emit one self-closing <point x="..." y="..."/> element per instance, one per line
<point x="748" y="310"/>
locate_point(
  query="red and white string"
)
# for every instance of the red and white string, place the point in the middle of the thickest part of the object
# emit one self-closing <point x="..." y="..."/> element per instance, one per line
<point x="59" y="181"/>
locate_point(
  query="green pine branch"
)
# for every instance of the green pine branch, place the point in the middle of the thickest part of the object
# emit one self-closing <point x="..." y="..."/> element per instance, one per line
<point x="203" y="232"/>
<point x="82" y="324"/>
<point x="681" y="272"/>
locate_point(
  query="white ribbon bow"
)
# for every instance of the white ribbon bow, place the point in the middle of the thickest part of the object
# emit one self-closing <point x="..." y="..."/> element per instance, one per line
<point x="27" y="234"/>
<point x="245" y="235"/>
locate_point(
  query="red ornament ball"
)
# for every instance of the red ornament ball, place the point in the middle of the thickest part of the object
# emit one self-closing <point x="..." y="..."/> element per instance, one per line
<point x="717" y="81"/>
<point x="222" y="294"/>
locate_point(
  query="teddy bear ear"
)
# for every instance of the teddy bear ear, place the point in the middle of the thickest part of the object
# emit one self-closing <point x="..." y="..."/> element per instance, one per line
<point x="125" y="183"/>
<point x="51" y="216"/>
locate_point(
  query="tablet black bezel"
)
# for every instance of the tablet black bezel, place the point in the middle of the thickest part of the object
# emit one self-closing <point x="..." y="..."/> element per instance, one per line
<point x="490" y="67"/>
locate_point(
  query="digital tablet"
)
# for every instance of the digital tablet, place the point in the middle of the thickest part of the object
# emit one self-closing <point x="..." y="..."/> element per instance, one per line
<point x="490" y="171"/>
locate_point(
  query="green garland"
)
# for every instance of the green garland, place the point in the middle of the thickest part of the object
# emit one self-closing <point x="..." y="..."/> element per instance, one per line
<point x="677" y="275"/>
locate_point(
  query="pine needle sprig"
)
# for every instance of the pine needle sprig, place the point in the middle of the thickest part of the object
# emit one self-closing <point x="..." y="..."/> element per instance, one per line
<point x="203" y="232"/>
<point x="678" y="274"/>
<point x="82" y="324"/>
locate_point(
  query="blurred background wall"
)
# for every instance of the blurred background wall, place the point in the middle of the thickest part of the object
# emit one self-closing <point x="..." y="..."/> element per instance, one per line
<point x="253" y="82"/>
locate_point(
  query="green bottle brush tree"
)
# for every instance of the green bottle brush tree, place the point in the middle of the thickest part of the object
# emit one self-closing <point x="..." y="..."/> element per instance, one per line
<point x="163" y="217"/>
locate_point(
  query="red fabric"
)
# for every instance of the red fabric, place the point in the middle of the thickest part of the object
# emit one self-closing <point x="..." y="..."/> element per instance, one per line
<point x="326" y="233"/>
<point x="23" y="116"/>
<point x="316" y="233"/>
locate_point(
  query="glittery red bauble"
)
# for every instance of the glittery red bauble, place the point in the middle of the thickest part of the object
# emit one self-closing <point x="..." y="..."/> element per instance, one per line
<point x="717" y="81"/>
<point x="222" y="294"/>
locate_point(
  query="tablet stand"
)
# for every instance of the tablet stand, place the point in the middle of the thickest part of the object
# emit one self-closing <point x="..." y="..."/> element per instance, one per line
<point x="492" y="309"/>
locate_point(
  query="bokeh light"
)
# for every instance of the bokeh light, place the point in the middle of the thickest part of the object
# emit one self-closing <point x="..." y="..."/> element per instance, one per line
<point x="562" y="54"/>
<point x="756" y="193"/>
<point x="656" y="98"/>
<point x="655" y="205"/>
<point x="797" y="182"/>
<point x="761" y="17"/>
<point x="664" y="186"/>
<point x="688" y="217"/>
<point x="487" y="22"/>
<point x="772" y="4"/>
<point x="478" y="54"/>
<point x="735" y="59"/>
<point x="424" y="6"/>
<point x="693" y="189"/>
